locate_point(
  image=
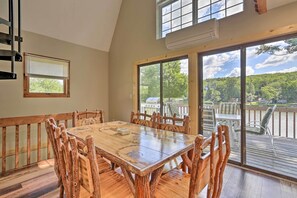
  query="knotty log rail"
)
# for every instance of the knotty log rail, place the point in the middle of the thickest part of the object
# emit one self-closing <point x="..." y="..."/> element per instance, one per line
<point x="28" y="122"/>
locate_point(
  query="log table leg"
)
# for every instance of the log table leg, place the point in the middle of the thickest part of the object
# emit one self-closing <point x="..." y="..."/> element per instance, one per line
<point x="155" y="178"/>
<point x="142" y="186"/>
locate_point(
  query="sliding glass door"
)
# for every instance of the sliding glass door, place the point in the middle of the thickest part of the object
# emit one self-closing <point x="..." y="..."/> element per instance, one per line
<point x="252" y="88"/>
<point x="271" y="98"/>
<point x="163" y="87"/>
<point x="221" y="88"/>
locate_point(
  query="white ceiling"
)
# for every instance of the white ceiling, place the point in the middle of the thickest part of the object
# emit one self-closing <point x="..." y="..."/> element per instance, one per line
<point x="276" y="3"/>
<point x="89" y="23"/>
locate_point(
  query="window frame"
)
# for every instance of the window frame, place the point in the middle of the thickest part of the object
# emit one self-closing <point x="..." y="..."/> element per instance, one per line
<point x="161" y="62"/>
<point x="26" y="83"/>
<point x="160" y="4"/>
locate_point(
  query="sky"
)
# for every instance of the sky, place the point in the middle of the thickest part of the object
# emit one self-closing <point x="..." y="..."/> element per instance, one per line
<point x="179" y="14"/>
<point x="228" y="64"/>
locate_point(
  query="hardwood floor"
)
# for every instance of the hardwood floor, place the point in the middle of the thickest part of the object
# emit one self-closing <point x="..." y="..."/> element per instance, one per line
<point x="41" y="181"/>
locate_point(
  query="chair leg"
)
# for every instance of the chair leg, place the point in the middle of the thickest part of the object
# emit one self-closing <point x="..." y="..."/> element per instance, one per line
<point x="271" y="140"/>
<point x="272" y="143"/>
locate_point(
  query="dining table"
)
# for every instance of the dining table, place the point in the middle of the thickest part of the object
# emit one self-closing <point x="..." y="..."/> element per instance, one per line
<point x="140" y="151"/>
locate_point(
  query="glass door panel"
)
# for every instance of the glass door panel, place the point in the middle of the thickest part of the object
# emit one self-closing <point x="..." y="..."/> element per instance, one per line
<point x="271" y="90"/>
<point x="221" y="96"/>
<point x="163" y="88"/>
<point x="175" y="88"/>
<point x="149" y="88"/>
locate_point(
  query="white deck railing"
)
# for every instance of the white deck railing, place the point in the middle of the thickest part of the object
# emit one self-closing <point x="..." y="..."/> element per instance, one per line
<point x="283" y="121"/>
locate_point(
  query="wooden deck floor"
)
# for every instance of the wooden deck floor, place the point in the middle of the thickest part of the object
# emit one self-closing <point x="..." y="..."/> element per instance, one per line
<point x="260" y="154"/>
<point x="42" y="182"/>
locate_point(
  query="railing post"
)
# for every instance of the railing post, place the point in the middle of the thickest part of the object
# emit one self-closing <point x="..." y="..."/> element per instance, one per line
<point x="3" y="150"/>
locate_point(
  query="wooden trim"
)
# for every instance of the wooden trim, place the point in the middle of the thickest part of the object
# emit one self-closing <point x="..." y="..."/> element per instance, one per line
<point x="261" y="6"/>
<point x="43" y="56"/>
<point x="13" y="121"/>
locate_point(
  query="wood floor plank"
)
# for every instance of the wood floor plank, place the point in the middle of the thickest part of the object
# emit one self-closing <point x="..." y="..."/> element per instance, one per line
<point x="238" y="183"/>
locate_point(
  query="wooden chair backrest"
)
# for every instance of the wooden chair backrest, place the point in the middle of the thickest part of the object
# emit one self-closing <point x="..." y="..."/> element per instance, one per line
<point x="78" y="165"/>
<point x="266" y="118"/>
<point x="50" y="133"/>
<point x="174" y="123"/>
<point x="208" y="168"/>
<point x="50" y="125"/>
<point x="143" y="119"/>
<point x="88" y="117"/>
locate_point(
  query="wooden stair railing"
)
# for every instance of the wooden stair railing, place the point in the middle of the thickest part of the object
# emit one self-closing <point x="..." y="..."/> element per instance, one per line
<point x="22" y="129"/>
<point x="8" y="39"/>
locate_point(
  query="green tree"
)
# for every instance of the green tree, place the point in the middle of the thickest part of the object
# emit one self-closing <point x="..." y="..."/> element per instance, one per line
<point x="175" y="83"/>
<point x="250" y="89"/>
<point x="290" y="48"/>
<point x="149" y="81"/>
<point x="43" y="85"/>
<point x="289" y="91"/>
<point x="232" y="89"/>
<point x="269" y="92"/>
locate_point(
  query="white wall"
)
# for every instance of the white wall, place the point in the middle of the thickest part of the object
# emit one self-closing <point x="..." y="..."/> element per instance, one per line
<point x="88" y="80"/>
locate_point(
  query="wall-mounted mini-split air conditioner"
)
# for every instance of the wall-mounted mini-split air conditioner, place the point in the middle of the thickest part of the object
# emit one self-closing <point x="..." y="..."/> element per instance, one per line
<point x="197" y="34"/>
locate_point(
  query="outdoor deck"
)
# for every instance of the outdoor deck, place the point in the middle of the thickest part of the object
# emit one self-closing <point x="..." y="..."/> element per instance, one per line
<point x="260" y="154"/>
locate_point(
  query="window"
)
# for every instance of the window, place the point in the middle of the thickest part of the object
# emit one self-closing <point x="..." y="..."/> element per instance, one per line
<point x="174" y="15"/>
<point x="163" y="87"/>
<point x="46" y="76"/>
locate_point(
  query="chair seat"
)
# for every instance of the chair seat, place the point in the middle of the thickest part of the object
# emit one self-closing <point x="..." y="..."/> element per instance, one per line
<point x="174" y="184"/>
<point x="250" y="129"/>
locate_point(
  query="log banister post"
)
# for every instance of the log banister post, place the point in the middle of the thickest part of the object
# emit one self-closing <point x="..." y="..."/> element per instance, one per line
<point x="28" y="143"/>
<point x="38" y="142"/>
<point x="17" y="145"/>
<point x="3" y="150"/>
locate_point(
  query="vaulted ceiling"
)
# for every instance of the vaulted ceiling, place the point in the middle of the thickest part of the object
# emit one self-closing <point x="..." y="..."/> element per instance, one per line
<point x="89" y="23"/>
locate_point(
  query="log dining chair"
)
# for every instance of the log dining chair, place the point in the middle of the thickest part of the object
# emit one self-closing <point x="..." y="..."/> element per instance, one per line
<point x="143" y="119"/>
<point x="174" y="124"/>
<point x="207" y="169"/>
<point x="88" y="117"/>
<point x="80" y="172"/>
<point x="50" y="125"/>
